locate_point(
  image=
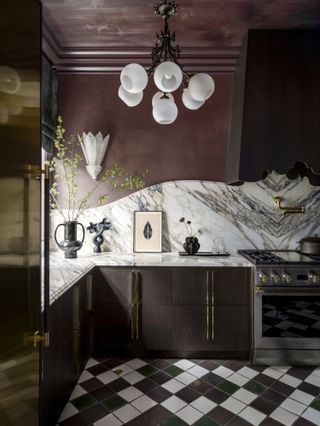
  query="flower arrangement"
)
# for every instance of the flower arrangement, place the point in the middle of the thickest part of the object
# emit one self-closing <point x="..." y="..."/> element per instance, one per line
<point x="64" y="166"/>
<point x="188" y="225"/>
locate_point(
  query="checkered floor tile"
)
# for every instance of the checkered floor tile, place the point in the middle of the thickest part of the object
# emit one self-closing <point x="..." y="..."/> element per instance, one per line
<point x="140" y="392"/>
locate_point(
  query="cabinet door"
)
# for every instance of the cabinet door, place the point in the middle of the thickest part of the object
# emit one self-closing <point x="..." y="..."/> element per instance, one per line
<point x="113" y="310"/>
<point x="156" y="333"/>
<point x="223" y="329"/>
<point x="190" y="285"/>
<point x="113" y="328"/>
<point x="230" y="285"/>
<point x="114" y="285"/>
<point x="156" y="285"/>
<point x="191" y="330"/>
<point x="155" y="309"/>
<point x="59" y="359"/>
<point x="86" y="318"/>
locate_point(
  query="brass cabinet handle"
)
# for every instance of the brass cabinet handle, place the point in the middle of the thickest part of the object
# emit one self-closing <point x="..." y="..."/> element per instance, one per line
<point x="89" y="293"/>
<point x="207" y="303"/>
<point x="76" y="328"/>
<point x="132" y="279"/>
<point x="137" y="304"/>
<point x="212" y="306"/>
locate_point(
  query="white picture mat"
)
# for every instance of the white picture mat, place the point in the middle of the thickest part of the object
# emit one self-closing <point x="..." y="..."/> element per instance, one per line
<point x="140" y="243"/>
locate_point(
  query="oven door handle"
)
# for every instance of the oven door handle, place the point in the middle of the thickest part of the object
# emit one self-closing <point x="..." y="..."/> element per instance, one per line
<point x="292" y="291"/>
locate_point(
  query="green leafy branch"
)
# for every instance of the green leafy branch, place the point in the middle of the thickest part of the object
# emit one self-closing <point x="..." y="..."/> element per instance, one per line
<point x="64" y="168"/>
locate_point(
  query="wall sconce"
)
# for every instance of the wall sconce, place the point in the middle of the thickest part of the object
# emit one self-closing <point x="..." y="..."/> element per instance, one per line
<point x="94" y="149"/>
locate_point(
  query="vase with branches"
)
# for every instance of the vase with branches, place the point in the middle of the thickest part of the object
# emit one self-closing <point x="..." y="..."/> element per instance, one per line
<point x="65" y="197"/>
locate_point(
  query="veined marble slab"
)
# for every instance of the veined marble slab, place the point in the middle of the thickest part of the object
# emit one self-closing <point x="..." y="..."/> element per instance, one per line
<point x="243" y="216"/>
<point x="64" y="273"/>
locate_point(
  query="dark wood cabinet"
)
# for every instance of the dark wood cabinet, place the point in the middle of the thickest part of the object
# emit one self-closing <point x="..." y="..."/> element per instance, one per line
<point x="114" y="310"/>
<point x="211" y="311"/>
<point x="155" y="309"/>
<point x="133" y="310"/>
<point x="70" y="320"/>
<point x="275" y="116"/>
<point x="172" y="311"/>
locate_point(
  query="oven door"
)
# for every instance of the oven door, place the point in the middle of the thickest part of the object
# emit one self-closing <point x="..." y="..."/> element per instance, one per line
<point x="286" y="319"/>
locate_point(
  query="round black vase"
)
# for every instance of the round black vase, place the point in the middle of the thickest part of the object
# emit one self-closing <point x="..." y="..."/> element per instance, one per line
<point x="70" y="245"/>
<point x="191" y="246"/>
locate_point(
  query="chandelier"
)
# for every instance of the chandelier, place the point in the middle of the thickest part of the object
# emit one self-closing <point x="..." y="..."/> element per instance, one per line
<point x="168" y="75"/>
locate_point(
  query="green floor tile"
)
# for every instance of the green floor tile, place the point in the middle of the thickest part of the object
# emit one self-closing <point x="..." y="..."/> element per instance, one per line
<point x="173" y="370"/>
<point x="84" y="401"/>
<point x="255" y="387"/>
<point x="206" y="421"/>
<point x="173" y="421"/>
<point x="147" y="370"/>
<point x="114" y="402"/>
<point x="316" y="404"/>
<point x="228" y="387"/>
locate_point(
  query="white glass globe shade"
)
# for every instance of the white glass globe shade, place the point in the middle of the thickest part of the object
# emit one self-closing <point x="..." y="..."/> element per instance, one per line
<point x="157" y="97"/>
<point x="201" y="87"/>
<point x="165" y="111"/>
<point x="189" y="102"/>
<point x="134" y="78"/>
<point x="167" y="76"/>
<point x="130" y="99"/>
<point x="9" y="80"/>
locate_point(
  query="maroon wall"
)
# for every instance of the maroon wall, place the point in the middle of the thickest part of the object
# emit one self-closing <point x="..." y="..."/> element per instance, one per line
<point x="194" y="147"/>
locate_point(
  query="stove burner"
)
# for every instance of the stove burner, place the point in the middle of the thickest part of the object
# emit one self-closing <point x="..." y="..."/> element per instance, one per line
<point x="278" y="257"/>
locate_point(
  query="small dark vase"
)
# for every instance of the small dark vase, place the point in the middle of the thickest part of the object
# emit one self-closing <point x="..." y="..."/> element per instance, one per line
<point x="70" y="245"/>
<point x="191" y="246"/>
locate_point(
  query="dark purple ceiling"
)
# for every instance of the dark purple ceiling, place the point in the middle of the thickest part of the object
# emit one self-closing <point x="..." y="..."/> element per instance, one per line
<point x="98" y="24"/>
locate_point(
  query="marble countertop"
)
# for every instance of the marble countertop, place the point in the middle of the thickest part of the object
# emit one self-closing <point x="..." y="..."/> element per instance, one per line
<point x="64" y="273"/>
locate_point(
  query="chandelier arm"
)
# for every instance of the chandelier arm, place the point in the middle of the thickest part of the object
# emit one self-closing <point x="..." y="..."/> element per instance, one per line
<point x="157" y="53"/>
<point x="174" y="59"/>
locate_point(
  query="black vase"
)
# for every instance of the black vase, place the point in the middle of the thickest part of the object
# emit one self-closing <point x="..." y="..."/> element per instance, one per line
<point x="70" y="245"/>
<point x="191" y="246"/>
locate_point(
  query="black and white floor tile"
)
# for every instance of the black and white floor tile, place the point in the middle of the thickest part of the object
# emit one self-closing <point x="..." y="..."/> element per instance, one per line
<point x="112" y="392"/>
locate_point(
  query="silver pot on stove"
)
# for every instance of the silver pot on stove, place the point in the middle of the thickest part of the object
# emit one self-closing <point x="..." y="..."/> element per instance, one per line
<point x="310" y="245"/>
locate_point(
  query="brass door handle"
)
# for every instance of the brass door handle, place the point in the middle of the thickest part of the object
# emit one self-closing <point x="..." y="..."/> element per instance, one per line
<point x="36" y="338"/>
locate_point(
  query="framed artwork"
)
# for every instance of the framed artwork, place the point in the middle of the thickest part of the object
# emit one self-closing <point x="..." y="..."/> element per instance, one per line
<point x="147" y="232"/>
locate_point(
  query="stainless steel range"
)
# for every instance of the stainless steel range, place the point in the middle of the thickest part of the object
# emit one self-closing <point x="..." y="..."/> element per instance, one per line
<point x="286" y="307"/>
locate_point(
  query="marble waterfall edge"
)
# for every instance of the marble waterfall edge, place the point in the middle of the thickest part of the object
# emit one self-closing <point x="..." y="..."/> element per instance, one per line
<point x="244" y="216"/>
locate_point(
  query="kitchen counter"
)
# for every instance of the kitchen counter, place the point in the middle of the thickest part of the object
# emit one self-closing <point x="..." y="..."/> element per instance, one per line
<point x="64" y="273"/>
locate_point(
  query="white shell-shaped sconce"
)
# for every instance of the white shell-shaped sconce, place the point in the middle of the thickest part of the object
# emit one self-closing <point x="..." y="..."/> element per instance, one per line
<point x="94" y="149"/>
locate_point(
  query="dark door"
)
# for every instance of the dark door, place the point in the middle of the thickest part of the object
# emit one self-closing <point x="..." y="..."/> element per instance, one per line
<point x="20" y="211"/>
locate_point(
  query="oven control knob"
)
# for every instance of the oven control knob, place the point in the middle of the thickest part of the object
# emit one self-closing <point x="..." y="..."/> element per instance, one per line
<point x="287" y="277"/>
<point x="314" y="278"/>
<point x="276" y="278"/>
<point x="263" y="277"/>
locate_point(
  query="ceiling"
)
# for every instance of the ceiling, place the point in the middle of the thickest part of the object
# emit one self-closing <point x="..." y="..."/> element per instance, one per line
<point x="97" y="32"/>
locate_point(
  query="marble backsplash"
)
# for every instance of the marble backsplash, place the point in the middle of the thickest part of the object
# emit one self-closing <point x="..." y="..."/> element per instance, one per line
<point x="244" y="216"/>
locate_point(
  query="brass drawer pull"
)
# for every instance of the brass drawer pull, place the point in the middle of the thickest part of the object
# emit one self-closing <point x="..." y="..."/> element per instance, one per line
<point x="137" y="304"/>
<point x="212" y="306"/>
<point x="132" y="276"/>
<point x="207" y="304"/>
